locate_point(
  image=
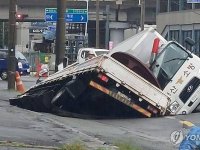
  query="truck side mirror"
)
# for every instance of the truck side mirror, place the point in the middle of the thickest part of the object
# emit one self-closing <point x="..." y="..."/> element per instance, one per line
<point x="190" y="41"/>
<point x="65" y="62"/>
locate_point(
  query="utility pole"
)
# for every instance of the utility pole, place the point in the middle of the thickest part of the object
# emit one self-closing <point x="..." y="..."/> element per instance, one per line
<point x="142" y="14"/>
<point x="107" y="25"/>
<point x="158" y="7"/>
<point x="11" y="45"/>
<point x="97" y="23"/>
<point x="60" y="33"/>
<point x="3" y="35"/>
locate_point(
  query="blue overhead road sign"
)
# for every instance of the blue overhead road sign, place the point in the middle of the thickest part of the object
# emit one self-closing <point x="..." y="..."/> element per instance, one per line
<point x="193" y="1"/>
<point x="71" y="15"/>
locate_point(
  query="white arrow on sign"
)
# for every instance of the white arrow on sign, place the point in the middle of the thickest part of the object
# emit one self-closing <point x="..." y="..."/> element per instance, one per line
<point x="49" y="17"/>
<point x="82" y="18"/>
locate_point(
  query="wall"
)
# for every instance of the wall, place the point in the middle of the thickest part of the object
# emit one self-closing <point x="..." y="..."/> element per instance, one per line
<point x="177" y="18"/>
<point x="22" y="36"/>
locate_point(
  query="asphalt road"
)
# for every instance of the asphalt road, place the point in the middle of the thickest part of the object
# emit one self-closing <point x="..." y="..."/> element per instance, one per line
<point x="47" y="130"/>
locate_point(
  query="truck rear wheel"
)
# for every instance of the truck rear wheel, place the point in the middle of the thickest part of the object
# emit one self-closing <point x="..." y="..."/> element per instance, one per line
<point x="4" y="75"/>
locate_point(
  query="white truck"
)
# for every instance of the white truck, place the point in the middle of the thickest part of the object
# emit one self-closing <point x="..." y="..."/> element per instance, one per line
<point x="85" y="53"/>
<point x="122" y="83"/>
<point x="177" y="70"/>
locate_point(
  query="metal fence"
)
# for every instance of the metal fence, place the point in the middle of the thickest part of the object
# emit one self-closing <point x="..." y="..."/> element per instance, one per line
<point x="36" y="58"/>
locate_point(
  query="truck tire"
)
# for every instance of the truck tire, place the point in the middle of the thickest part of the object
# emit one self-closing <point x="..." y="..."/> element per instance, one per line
<point x="4" y="75"/>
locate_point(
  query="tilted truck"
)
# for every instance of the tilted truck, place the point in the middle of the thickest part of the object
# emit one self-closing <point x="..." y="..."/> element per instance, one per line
<point x="122" y="83"/>
<point x="176" y="69"/>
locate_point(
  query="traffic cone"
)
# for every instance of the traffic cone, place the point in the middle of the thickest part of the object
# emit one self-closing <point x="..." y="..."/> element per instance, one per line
<point x="19" y="85"/>
<point x="38" y="69"/>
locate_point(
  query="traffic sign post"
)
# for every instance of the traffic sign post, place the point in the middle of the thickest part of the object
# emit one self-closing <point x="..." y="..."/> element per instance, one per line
<point x="50" y="14"/>
<point x="71" y="16"/>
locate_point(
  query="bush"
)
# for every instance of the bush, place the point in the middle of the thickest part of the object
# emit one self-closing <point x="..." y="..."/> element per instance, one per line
<point x="74" y="146"/>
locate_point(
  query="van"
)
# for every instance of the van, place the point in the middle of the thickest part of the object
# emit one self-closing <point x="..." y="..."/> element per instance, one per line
<point x="22" y="65"/>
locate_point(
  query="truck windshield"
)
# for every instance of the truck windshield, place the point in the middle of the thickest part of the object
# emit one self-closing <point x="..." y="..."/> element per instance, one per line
<point x="20" y="56"/>
<point x="168" y="63"/>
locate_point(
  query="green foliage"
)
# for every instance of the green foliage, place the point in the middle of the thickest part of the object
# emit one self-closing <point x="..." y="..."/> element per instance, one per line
<point x="126" y="146"/>
<point x="121" y="145"/>
<point x="102" y="149"/>
<point x="74" y="146"/>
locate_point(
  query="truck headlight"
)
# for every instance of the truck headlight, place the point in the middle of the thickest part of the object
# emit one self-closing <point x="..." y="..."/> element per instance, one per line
<point x="19" y="65"/>
<point x="174" y="106"/>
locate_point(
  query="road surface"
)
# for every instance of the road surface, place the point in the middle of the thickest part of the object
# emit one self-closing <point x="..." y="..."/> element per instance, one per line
<point x="48" y="130"/>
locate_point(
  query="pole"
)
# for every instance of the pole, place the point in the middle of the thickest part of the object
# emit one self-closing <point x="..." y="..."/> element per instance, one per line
<point x="11" y="45"/>
<point x="142" y="14"/>
<point x="97" y="23"/>
<point x="86" y="24"/>
<point x="60" y="33"/>
<point x="168" y="5"/>
<point x="3" y="35"/>
<point x="117" y="13"/>
<point x="107" y="26"/>
<point x="157" y="7"/>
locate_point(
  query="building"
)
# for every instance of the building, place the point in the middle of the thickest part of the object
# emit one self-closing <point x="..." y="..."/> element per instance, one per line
<point x="123" y="15"/>
<point x="178" y="19"/>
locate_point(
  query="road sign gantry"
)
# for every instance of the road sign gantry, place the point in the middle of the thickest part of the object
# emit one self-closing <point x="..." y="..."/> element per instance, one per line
<point x="71" y="15"/>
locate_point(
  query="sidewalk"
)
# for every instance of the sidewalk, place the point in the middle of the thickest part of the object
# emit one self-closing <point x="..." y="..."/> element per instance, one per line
<point x="6" y="94"/>
<point x="28" y="81"/>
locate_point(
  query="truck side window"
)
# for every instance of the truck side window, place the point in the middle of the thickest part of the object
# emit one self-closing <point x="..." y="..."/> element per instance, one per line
<point x="86" y="54"/>
<point x="89" y="55"/>
<point x="83" y="54"/>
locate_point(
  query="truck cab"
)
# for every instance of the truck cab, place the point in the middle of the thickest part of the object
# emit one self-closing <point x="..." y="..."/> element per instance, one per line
<point x="85" y="54"/>
<point x="177" y="71"/>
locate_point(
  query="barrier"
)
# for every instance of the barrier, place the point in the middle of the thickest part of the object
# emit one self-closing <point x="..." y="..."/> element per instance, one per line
<point x="19" y="85"/>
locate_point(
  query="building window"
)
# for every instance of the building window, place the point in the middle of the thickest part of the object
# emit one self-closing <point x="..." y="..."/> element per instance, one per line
<point x="163" y="5"/>
<point x="185" y="34"/>
<point x="174" y="35"/>
<point x="197" y="40"/>
<point x="197" y="5"/>
<point x="175" y="5"/>
<point x="186" y="5"/>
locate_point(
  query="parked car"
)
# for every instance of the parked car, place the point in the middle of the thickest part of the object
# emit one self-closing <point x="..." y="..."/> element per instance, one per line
<point x="22" y="65"/>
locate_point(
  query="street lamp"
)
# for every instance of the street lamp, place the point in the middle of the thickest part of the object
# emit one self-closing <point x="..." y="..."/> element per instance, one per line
<point x="20" y="17"/>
